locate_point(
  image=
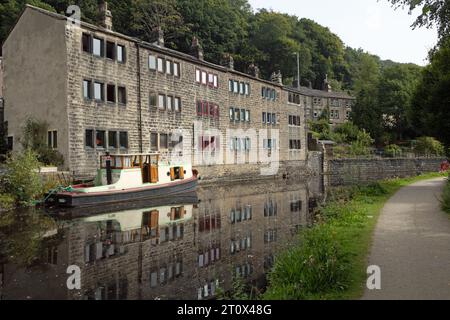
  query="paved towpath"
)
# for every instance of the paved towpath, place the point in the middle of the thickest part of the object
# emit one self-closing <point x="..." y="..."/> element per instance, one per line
<point x="412" y="245"/>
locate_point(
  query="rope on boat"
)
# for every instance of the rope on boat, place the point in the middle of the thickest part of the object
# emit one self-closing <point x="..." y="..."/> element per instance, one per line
<point x="54" y="191"/>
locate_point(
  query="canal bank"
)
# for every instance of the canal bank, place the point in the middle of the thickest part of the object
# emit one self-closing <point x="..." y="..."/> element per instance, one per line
<point x="330" y="260"/>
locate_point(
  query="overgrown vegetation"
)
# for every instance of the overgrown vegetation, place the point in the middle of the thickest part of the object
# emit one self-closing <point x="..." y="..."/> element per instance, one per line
<point x="21" y="184"/>
<point x="329" y="260"/>
<point x="34" y="137"/>
<point x="351" y="141"/>
<point x="428" y="146"/>
<point x="446" y="198"/>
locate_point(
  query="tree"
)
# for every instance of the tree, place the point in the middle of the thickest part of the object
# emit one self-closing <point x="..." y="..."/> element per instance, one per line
<point x="430" y="112"/>
<point x="395" y="90"/>
<point x="434" y="12"/>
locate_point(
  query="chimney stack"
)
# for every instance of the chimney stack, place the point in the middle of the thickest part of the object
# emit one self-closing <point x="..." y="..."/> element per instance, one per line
<point x="105" y="16"/>
<point x="326" y="84"/>
<point x="253" y="70"/>
<point x="196" y="49"/>
<point x="228" y="61"/>
<point x="160" y="35"/>
<point x="277" y="77"/>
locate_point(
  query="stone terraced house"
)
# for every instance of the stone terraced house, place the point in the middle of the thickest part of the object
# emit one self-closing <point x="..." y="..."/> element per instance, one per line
<point x="100" y="91"/>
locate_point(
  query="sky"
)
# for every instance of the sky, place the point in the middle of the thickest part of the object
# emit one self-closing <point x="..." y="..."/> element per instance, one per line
<point x="372" y="25"/>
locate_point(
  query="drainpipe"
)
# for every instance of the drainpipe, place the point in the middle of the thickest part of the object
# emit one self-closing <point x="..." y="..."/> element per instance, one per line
<point x="139" y="98"/>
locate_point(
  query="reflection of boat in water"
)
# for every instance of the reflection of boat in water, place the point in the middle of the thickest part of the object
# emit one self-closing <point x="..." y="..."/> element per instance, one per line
<point x="128" y="178"/>
<point x="114" y="208"/>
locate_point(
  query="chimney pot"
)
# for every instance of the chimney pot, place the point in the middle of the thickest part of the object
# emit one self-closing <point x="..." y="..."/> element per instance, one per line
<point x="105" y="16"/>
<point x="196" y="49"/>
<point x="253" y="70"/>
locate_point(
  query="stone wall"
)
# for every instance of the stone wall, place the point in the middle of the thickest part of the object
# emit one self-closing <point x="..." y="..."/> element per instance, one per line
<point x="351" y="171"/>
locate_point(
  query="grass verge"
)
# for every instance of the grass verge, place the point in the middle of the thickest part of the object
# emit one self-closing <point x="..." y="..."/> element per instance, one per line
<point x="330" y="260"/>
<point x="446" y="198"/>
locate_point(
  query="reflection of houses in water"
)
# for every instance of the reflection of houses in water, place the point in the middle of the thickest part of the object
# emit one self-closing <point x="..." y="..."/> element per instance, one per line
<point x="182" y="251"/>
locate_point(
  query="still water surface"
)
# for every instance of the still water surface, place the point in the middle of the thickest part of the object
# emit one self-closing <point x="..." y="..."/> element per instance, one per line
<point x="181" y="248"/>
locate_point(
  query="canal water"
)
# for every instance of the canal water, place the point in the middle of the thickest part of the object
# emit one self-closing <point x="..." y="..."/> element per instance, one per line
<point x="188" y="247"/>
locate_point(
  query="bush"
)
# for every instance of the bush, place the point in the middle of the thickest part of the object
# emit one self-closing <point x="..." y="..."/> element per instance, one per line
<point x="392" y="150"/>
<point x="7" y="201"/>
<point x="34" y="135"/>
<point x="22" y="179"/>
<point x="348" y="131"/>
<point x="428" y="146"/>
<point x="446" y="198"/>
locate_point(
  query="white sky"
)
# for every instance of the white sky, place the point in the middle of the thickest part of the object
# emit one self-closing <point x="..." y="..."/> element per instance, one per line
<point x="372" y="25"/>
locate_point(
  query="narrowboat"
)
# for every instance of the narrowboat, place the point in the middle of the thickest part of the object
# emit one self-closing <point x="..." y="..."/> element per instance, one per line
<point x="128" y="177"/>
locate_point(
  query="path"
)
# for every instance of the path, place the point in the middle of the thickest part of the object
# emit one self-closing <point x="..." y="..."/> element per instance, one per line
<point x="412" y="245"/>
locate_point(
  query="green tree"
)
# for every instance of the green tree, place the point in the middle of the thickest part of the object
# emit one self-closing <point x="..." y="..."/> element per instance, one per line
<point x="430" y="112"/>
<point x="395" y="91"/>
<point x="433" y="12"/>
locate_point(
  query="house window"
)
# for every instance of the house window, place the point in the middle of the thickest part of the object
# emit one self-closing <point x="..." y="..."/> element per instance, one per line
<point x="87" y="89"/>
<point x="205" y="108"/>
<point x="237" y="114"/>
<point x="153" y="141"/>
<point x="99" y="94"/>
<point x="89" y="138"/>
<point x="176" y="69"/>
<point x="111" y="93"/>
<point x="247" y="89"/>
<point x="152" y="100"/>
<point x="123" y="139"/>
<point x="230" y="85"/>
<point x="112" y="139"/>
<point x="100" y="139"/>
<point x="177" y="104"/>
<point x="152" y="62"/>
<point x="199" y="108"/>
<point x="169" y="103"/>
<point x="204" y="77"/>
<point x="110" y="50"/>
<point x="242" y="88"/>
<point x="160" y="65"/>
<point x="122" y="95"/>
<point x="247" y="115"/>
<point x="216" y="81"/>
<point x="98" y="47"/>
<point x="274" y="118"/>
<point x="242" y="115"/>
<point x="269" y="118"/>
<point x="235" y="87"/>
<point x="168" y="67"/>
<point x="198" y="77"/>
<point x="120" y="53"/>
<point x="210" y="79"/>
<point x="231" y="114"/>
<point x="52" y="139"/>
<point x="86" y="42"/>
<point x="162" y="101"/>
<point x="10" y="143"/>
<point x="264" y="118"/>
<point x="163" y="141"/>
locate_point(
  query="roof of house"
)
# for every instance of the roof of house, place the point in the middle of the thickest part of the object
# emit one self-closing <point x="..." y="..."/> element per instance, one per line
<point x="303" y="90"/>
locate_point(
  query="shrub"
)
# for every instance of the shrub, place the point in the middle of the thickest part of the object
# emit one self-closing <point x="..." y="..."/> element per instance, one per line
<point x="446" y="198"/>
<point x="22" y="179"/>
<point x="7" y="201"/>
<point x="34" y="135"/>
<point x="392" y="150"/>
<point x="347" y="130"/>
<point x="428" y="146"/>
